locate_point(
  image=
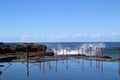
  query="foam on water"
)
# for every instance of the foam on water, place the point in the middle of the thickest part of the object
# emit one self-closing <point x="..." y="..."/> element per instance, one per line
<point x="87" y="49"/>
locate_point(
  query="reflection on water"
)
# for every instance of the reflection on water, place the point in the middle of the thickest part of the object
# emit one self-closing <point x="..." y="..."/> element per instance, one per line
<point x="74" y="69"/>
<point x="119" y="67"/>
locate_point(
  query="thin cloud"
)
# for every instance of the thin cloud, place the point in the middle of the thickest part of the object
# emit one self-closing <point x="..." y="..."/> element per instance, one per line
<point x="75" y="37"/>
<point x="24" y="38"/>
<point x="114" y="35"/>
<point x="94" y="36"/>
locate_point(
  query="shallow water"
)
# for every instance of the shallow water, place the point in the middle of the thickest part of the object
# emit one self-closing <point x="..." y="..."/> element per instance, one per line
<point x="74" y="69"/>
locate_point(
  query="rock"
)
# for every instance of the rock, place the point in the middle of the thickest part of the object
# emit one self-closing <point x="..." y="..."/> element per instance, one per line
<point x="49" y="54"/>
<point x="107" y="57"/>
<point x="7" y="59"/>
<point x="21" y="47"/>
<point x="1" y="43"/>
<point x="104" y="57"/>
<point x="1" y="50"/>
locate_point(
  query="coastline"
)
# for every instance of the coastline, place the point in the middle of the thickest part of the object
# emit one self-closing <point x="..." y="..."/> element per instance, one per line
<point x="11" y="52"/>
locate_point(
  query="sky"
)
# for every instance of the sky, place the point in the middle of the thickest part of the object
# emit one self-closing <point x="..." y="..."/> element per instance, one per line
<point x="59" y="20"/>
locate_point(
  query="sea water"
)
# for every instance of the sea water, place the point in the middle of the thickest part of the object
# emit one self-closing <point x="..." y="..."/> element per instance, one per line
<point x="111" y="49"/>
<point x="69" y="69"/>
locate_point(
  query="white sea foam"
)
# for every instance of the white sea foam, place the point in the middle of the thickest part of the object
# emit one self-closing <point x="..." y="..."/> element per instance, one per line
<point x="87" y="49"/>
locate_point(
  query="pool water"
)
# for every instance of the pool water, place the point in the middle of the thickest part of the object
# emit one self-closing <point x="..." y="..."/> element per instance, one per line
<point x="72" y="69"/>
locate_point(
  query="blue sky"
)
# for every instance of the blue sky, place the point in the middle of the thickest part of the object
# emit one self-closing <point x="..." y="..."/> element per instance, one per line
<point x="59" y="20"/>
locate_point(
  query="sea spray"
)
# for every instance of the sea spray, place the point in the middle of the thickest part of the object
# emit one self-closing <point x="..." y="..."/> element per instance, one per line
<point x="89" y="49"/>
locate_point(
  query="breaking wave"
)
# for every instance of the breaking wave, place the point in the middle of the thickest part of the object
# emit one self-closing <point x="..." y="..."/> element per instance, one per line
<point x="87" y="49"/>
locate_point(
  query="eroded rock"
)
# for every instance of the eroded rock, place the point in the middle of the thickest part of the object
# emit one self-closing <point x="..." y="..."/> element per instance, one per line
<point x="21" y="47"/>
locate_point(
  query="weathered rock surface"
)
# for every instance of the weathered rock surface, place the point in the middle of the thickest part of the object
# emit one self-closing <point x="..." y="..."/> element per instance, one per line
<point x="7" y="59"/>
<point x="21" y="47"/>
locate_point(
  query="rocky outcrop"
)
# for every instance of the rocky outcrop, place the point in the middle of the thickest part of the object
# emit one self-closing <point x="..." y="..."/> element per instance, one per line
<point x="7" y="59"/>
<point x="107" y="57"/>
<point x="21" y="47"/>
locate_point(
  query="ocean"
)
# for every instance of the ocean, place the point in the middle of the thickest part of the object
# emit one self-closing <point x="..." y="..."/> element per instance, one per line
<point x="68" y="69"/>
<point x="111" y="49"/>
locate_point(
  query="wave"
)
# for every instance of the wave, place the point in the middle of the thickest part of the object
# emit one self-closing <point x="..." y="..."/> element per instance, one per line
<point x="87" y="49"/>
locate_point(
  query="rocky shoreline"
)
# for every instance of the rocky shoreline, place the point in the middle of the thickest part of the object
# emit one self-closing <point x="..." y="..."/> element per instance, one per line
<point x="13" y="52"/>
<point x="10" y="51"/>
<point x="21" y="47"/>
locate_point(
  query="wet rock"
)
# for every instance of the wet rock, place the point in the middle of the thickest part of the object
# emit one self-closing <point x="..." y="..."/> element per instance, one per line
<point x="107" y="57"/>
<point x="21" y="47"/>
<point x="7" y="59"/>
<point x="1" y="50"/>
<point x="104" y="57"/>
<point x="49" y="54"/>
